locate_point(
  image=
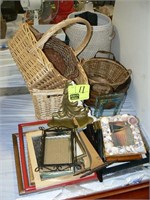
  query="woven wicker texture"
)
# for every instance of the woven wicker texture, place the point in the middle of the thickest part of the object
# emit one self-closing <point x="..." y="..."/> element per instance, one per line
<point x="46" y="102"/>
<point x="106" y="76"/>
<point x="100" y="40"/>
<point x="38" y="72"/>
<point x="62" y="58"/>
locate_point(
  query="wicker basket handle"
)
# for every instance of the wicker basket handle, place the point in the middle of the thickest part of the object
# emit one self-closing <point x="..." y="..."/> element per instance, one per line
<point x="64" y="24"/>
<point x="106" y="52"/>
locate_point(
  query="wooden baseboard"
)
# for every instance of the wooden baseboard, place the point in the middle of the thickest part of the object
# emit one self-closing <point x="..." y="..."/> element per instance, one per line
<point x="137" y="191"/>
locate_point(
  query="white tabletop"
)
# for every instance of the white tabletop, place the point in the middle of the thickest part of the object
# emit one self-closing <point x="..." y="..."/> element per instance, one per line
<point x="19" y="109"/>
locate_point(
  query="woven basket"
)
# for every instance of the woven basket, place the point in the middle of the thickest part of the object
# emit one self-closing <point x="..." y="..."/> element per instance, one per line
<point x="101" y="37"/>
<point x="37" y="70"/>
<point x="106" y="76"/>
<point x="46" y="102"/>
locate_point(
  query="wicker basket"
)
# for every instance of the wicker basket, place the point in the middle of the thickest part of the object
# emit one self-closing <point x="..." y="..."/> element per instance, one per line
<point x="46" y="102"/>
<point x="38" y="72"/>
<point x="106" y="76"/>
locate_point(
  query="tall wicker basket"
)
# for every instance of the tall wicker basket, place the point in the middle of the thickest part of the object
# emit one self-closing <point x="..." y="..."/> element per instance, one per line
<point x="38" y="72"/>
<point x="43" y="80"/>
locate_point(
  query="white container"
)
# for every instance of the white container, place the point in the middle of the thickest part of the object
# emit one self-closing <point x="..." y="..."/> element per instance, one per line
<point x="101" y="37"/>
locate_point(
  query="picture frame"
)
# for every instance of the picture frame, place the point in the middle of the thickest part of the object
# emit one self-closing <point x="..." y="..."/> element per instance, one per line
<point x="109" y="104"/>
<point x="122" y="137"/>
<point x="25" y="191"/>
<point x="25" y="178"/>
<point x="39" y="181"/>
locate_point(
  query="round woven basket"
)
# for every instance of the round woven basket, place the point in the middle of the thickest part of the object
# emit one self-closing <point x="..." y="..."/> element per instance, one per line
<point x="101" y="37"/>
<point x="106" y="76"/>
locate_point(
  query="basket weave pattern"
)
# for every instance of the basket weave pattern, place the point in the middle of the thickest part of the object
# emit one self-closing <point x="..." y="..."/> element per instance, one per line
<point x="43" y="80"/>
<point x="110" y="70"/>
<point x="68" y="62"/>
<point x="106" y="76"/>
<point x="38" y="72"/>
<point x="36" y="69"/>
<point x="46" y="102"/>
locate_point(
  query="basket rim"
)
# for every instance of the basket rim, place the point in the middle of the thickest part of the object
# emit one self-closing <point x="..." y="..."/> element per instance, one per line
<point x="104" y="59"/>
<point x="72" y="15"/>
<point x="110" y="61"/>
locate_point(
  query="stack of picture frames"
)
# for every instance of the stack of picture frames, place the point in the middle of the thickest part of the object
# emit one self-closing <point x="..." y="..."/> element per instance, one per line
<point x="49" y="158"/>
<point x="58" y="156"/>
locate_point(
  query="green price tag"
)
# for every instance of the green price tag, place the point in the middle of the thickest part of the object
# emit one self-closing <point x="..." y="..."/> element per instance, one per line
<point x="78" y="92"/>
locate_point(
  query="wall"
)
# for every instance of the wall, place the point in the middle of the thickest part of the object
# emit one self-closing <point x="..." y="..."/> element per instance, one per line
<point x="131" y="47"/>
